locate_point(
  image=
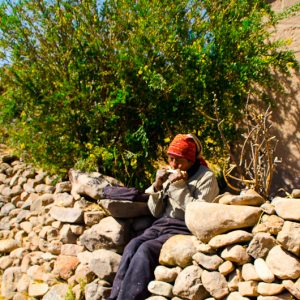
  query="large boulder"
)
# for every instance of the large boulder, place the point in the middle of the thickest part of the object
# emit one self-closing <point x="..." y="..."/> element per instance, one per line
<point x="206" y="220"/>
<point x="89" y="184"/>
<point x="108" y="234"/>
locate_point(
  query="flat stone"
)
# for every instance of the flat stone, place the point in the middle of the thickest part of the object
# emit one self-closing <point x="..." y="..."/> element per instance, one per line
<point x="37" y="289"/>
<point x="160" y="288"/>
<point x="67" y="215"/>
<point x="249" y="197"/>
<point x="125" y="209"/>
<point x="209" y="262"/>
<point x="233" y="237"/>
<point x="222" y="218"/>
<point x="287" y="208"/>
<point x="269" y="289"/>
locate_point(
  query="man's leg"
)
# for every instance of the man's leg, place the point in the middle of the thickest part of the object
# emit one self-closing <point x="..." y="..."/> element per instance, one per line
<point x="129" y="251"/>
<point x="141" y="271"/>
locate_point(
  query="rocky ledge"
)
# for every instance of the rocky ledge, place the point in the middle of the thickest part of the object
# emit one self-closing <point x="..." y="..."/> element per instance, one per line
<point x="58" y="243"/>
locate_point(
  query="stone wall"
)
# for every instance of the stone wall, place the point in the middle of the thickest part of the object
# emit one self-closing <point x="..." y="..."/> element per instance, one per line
<point x="57" y="243"/>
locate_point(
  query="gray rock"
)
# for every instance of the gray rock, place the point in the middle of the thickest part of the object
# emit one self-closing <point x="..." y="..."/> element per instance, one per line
<point x="67" y="215"/>
<point x="63" y="199"/>
<point x="293" y="288"/>
<point x="261" y="244"/>
<point x="188" y="284"/>
<point x="93" y="217"/>
<point x="125" y="209"/>
<point x="269" y="289"/>
<point x="44" y="189"/>
<point x="5" y="262"/>
<point x="215" y="283"/>
<point x="66" y="235"/>
<point x="236" y="296"/>
<point x="108" y="234"/>
<point x="268" y="208"/>
<point x="226" y="267"/>
<point x="105" y="264"/>
<point x="71" y="249"/>
<point x="63" y="187"/>
<point x="89" y="184"/>
<point x="56" y="292"/>
<point x="249" y="197"/>
<point x="95" y="291"/>
<point x="209" y="262"/>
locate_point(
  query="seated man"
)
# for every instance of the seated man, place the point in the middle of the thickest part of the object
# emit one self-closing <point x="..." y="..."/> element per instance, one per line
<point x="187" y="179"/>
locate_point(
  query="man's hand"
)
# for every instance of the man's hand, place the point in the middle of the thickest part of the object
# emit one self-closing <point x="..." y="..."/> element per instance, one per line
<point x="178" y="175"/>
<point x="161" y="177"/>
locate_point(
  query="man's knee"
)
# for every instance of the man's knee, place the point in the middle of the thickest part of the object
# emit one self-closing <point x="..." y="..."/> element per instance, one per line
<point x="150" y="248"/>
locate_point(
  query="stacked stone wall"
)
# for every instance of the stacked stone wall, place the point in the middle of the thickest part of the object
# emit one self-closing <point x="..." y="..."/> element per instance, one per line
<point x="57" y="243"/>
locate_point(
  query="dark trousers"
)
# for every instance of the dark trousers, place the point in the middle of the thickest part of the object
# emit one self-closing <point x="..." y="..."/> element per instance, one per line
<point x="140" y="258"/>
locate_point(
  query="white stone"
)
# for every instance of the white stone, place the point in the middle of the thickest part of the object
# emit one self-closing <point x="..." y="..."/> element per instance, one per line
<point x="263" y="270"/>
<point x="37" y="289"/>
<point x="160" y="288"/>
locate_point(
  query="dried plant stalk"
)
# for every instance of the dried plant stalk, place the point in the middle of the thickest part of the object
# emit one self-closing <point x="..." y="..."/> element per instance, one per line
<point x="256" y="163"/>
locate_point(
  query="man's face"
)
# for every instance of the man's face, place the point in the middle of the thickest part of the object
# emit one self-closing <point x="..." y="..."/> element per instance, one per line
<point x="179" y="163"/>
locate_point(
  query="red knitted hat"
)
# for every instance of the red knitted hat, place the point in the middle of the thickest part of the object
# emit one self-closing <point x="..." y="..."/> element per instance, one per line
<point x="183" y="146"/>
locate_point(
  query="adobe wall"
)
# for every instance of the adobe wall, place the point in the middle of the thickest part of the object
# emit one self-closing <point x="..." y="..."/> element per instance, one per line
<point x="287" y="117"/>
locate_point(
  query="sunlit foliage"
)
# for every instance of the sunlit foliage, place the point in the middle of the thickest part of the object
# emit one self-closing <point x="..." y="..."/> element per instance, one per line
<point x="109" y="83"/>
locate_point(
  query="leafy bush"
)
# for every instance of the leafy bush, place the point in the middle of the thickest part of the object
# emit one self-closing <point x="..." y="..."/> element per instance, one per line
<point x="106" y="84"/>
